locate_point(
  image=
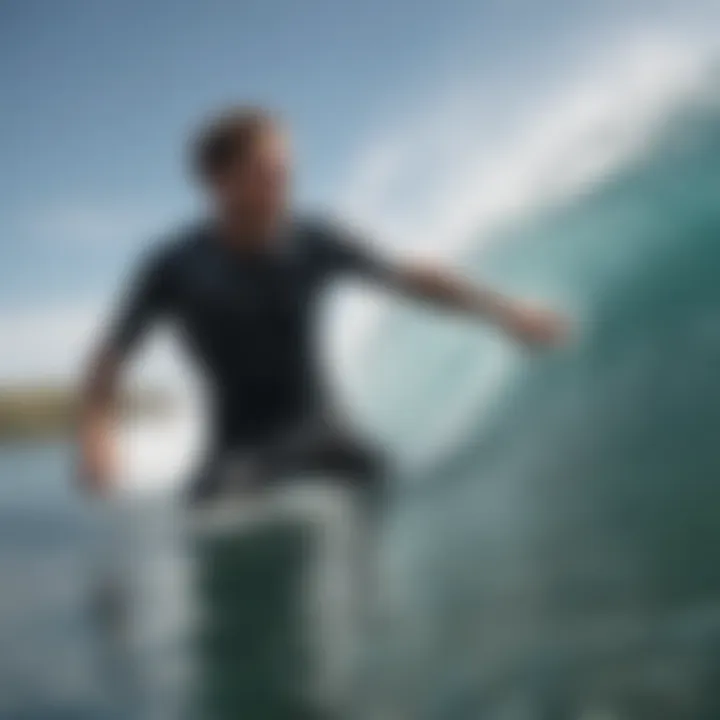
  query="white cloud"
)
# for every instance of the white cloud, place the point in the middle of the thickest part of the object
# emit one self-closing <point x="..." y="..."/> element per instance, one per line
<point x="53" y="344"/>
<point x="96" y="224"/>
<point x="46" y="343"/>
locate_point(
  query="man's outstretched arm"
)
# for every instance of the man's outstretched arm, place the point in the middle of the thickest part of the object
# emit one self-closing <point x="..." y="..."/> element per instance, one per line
<point x="348" y="250"/>
<point x="530" y="325"/>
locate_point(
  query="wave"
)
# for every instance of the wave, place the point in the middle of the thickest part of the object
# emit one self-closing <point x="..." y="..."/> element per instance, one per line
<point x="563" y="500"/>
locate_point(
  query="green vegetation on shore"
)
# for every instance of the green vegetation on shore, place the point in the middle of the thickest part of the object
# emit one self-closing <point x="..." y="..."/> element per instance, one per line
<point x="41" y="412"/>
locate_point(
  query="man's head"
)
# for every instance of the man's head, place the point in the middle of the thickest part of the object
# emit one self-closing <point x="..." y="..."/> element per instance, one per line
<point x="242" y="158"/>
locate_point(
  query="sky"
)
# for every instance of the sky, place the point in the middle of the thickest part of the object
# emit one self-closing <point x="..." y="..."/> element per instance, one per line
<point x="415" y="118"/>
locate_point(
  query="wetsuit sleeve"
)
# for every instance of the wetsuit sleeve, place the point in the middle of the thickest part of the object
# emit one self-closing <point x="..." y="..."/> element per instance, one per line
<point x="346" y="252"/>
<point x="146" y="298"/>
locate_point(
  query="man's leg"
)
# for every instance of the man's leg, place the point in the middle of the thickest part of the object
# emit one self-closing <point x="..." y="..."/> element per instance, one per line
<point x="332" y="453"/>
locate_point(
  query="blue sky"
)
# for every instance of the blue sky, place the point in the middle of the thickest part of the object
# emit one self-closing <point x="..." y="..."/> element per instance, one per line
<point x="98" y="98"/>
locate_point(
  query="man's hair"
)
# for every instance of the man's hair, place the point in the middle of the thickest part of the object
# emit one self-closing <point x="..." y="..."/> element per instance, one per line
<point x="227" y="139"/>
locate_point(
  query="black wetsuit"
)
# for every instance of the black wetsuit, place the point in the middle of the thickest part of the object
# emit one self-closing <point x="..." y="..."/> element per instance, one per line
<point x="249" y="319"/>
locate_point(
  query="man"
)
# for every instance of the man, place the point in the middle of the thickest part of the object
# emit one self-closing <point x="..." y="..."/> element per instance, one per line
<point x="243" y="288"/>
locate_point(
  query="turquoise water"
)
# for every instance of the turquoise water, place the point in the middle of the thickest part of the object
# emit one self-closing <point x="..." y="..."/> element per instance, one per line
<point x="552" y="539"/>
<point x="560" y="531"/>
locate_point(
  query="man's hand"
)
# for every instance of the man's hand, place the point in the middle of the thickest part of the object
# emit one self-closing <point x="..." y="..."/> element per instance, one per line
<point x="535" y="327"/>
<point x="97" y="448"/>
<point x="98" y="458"/>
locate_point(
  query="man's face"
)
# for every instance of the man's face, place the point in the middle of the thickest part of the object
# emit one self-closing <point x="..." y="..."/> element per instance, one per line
<point x="256" y="187"/>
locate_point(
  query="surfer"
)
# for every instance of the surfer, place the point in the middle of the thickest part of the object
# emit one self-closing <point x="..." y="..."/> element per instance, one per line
<point x="242" y="287"/>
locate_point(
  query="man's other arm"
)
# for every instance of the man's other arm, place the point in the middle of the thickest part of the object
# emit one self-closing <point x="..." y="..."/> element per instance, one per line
<point x="147" y="297"/>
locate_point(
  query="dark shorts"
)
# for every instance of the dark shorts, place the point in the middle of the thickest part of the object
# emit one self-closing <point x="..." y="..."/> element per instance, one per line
<point x="318" y="447"/>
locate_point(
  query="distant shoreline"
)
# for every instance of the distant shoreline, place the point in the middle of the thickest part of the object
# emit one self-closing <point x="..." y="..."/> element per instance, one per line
<point x="47" y="412"/>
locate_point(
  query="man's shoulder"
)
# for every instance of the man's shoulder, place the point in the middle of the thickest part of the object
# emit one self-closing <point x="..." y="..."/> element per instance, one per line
<point x="178" y="246"/>
<point x="341" y="247"/>
<point x="318" y="233"/>
<point x="185" y="239"/>
<point x="316" y="225"/>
